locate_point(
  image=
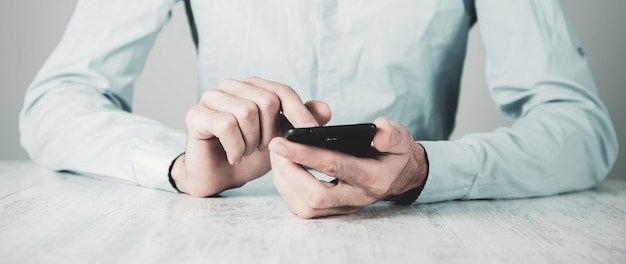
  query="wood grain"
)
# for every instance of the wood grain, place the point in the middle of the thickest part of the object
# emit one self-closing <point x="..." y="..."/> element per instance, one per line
<point x="49" y="217"/>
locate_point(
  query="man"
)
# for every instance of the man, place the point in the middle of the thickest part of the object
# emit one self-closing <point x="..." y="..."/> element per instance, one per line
<point x="396" y="63"/>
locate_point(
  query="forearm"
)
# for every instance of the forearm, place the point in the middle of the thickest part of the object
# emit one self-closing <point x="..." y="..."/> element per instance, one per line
<point x="556" y="147"/>
<point x="76" y="113"/>
<point x="562" y="138"/>
<point x="73" y="127"/>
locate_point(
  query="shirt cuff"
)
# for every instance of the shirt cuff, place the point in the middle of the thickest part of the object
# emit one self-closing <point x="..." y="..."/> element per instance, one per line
<point x="154" y="157"/>
<point x="451" y="172"/>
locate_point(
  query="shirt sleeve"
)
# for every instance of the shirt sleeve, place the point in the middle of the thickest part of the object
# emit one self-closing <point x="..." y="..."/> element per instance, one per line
<point x="562" y="138"/>
<point x="76" y="115"/>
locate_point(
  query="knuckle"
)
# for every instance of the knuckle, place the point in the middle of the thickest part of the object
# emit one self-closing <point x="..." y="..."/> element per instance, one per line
<point x="247" y="112"/>
<point x="192" y="118"/>
<point x="332" y="167"/>
<point x="228" y="82"/>
<point x="227" y="125"/>
<point x="210" y="96"/>
<point x="206" y="96"/>
<point x="284" y="89"/>
<point x="269" y="103"/>
<point x="251" y="79"/>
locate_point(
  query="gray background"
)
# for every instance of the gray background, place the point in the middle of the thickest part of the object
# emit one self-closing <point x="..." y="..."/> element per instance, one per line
<point x="30" y="29"/>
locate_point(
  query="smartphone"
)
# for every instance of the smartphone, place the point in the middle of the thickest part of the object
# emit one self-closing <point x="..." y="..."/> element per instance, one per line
<point x="353" y="139"/>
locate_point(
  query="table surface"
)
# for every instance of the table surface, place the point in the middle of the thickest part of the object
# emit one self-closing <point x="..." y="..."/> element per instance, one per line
<point x="49" y="217"/>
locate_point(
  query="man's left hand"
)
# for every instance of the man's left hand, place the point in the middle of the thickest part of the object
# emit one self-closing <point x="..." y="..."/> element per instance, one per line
<point x="361" y="181"/>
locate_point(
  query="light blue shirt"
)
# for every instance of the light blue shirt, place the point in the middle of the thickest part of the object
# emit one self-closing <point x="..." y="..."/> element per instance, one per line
<point x="401" y="59"/>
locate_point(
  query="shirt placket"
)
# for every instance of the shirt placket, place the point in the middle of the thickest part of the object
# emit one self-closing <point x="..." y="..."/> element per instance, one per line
<point x="329" y="57"/>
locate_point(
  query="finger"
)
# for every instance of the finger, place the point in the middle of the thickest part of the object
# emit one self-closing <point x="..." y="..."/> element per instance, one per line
<point x="333" y="163"/>
<point x="301" y="182"/>
<point x="306" y="196"/>
<point x="204" y="124"/>
<point x="245" y="111"/>
<point x="391" y="137"/>
<point x="298" y="206"/>
<point x="290" y="102"/>
<point x="293" y="199"/>
<point x="267" y="102"/>
<point x="320" y="111"/>
<point x="283" y="188"/>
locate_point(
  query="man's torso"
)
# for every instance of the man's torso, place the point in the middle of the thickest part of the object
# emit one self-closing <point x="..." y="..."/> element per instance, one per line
<point x="398" y="59"/>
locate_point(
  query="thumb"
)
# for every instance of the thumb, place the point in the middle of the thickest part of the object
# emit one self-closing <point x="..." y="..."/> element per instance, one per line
<point x="320" y="111"/>
<point x="391" y="137"/>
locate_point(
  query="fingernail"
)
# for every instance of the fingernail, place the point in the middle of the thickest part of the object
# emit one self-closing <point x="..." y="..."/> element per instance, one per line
<point x="278" y="148"/>
<point x="310" y="124"/>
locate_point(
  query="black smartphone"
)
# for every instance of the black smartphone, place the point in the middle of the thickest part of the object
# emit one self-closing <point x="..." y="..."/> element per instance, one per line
<point x="354" y="139"/>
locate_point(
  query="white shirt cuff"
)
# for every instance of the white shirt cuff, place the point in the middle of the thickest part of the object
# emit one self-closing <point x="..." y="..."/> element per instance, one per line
<point x="154" y="157"/>
<point x="452" y="169"/>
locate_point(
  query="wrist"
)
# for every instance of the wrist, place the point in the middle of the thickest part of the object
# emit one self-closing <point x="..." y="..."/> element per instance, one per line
<point x="418" y="170"/>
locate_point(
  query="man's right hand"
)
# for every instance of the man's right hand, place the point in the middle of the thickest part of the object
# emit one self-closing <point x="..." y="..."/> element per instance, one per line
<point x="229" y="130"/>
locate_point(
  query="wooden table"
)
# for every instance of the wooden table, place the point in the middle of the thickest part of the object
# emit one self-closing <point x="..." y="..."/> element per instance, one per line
<point x="49" y="217"/>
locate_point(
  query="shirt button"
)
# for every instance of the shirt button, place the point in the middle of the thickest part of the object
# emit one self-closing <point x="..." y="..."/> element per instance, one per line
<point x="581" y="51"/>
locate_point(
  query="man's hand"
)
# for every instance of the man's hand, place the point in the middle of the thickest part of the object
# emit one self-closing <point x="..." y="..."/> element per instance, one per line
<point x="362" y="181"/>
<point x="229" y="130"/>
